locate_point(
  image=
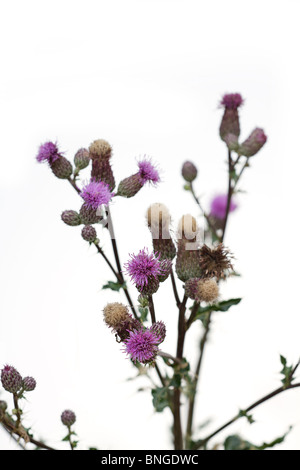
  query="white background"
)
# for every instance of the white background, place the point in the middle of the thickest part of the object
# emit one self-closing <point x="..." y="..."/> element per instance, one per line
<point x="147" y="76"/>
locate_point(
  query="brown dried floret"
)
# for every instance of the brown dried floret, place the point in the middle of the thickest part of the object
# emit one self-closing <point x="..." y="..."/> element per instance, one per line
<point x="214" y="262"/>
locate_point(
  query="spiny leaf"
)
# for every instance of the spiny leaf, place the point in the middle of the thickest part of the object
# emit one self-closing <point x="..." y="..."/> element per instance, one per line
<point x="116" y="286"/>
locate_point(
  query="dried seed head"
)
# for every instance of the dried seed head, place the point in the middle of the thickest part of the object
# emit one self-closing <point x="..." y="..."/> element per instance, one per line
<point x="100" y="149"/>
<point x="114" y="314"/>
<point x="215" y="262"/>
<point x="202" y="290"/>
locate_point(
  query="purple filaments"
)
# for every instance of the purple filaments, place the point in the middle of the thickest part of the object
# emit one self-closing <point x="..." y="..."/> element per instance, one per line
<point x="48" y="152"/>
<point x="148" y="172"/>
<point x="142" y="344"/>
<point x="96" y="194"/>
<point x="143" y="267"/>
<point x="232" y="101"/>
<point x="218" y="206"/>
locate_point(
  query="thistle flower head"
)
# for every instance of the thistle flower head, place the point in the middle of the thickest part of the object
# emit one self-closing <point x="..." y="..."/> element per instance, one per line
<point x="68" y="417"/>
<point x="71" y="218"/>
<point x="48" y="152"/>
<point x="82" y="159"/>
<point x="148" y="172"/>
<point x="166" y="267"/>
<point x="219" y="204"/>
<point x="231" y="101"/>
<point x="88" y="233"/>
<point x="100" y="148"/>
<point x="115" y="313"/>
<point x="189" y="171"/>
<point x="29" y="384"/>
<point x="95" y="194"/>
<point x="11" y="379"/>
<point x="214" y="262"/>
<point x="143" y="268"/>
<point x="254" y="143"/>
<point x="142" y="345"/>
<point x="159" y="329"/>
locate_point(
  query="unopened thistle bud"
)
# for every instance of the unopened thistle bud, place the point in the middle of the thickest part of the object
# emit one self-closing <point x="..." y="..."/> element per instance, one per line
<point x="189" y="171"/>
<point x="158" y="220"/>
<point x="68" y="418"/>
<point x="202" y="290"/>
<point x="81" y="159"/>
<point x="62" y="168"/>
<point x="28" y="384"/>
<point x="71" y="218"/>
<point x="230" y="122"/>
<point x="88" y="215"/>
<point x="11" y="379"/>
<point x="89" y="234"/>
<point x="254" y="143"/>
<point x="159" y="329"/>
<point x="166" y="268"/>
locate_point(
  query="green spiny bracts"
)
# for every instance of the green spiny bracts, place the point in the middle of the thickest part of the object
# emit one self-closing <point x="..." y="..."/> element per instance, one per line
<point x="81" y="159"/>
<point x="89" y="216"/>
<point x="71" y="218"/>
<point x="130" y="186"/>
<point x="187" y="261"/>
<point x="62" y="168"/>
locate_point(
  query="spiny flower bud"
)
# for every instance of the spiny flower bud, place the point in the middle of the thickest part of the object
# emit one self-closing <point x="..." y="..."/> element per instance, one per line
<point x="88" y="233"/>
<point x="68" y="418"/>
<point x="187" y="262"/>
<point x="71" y="218"/>
<point x="28" y="384"/>
<point x="158" y="220"/>
<point x="230" y="122"/>
<point x="189" y="171"/>
<point x="11" y="379"/>
<point x="254" y="143"/>
<point x="232" y="142"/>
<point x="166" y="267"/>
<point x="202" y="290"/>
<point x="159" y="329"/>
<point x="130" y="186"/>
<point x="3" y="405"/>
<point x="62" y="168"/>
<point x="100" y="148"/>
<point x="82" y="159"/>
<point x="88" y="215"/>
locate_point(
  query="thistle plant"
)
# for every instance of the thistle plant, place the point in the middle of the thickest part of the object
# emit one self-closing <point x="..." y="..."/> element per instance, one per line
<point x="195" y="261"/>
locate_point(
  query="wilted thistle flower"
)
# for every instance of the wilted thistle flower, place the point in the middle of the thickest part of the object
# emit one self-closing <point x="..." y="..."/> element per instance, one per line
<point x="117" y="317"/>
<point x="218" y="206"/>
<point x="100" y="153"/>
<point x="230" y="120"/>
<point x="144" y="269"/>
<point x="158" y="220"/>
<point x="28" y="384"/>
<point x="71" y="218"/>
<point x="68" y="418"/>
<point x="147" y="173"/>
<point x="48" y="152"/>
<point x="189" y="171"/>
<point x="82" y="159"/>
<point x="254" y="143"/>
<point x="142" y="345"/>
<point x="215" y="262"/>
<point x="11" y="379"/>
<point x="96" y="194"/>
<point x="205" y="290"/>
<point x="89" y="234"/>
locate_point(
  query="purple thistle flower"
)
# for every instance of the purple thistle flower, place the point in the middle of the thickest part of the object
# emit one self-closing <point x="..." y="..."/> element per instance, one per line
<point x="48" y="152"/>
<point x="142" y="345"/>
<point x="148" y="172"/>
<point x="143" y="267"/>
<point x="232" y="101"/>
<point x="219" y="204"/>
<point x="95" y="194"/>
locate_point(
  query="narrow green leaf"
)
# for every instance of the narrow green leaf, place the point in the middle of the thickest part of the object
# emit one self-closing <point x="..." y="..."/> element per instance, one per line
<point x="116" y="286"/>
